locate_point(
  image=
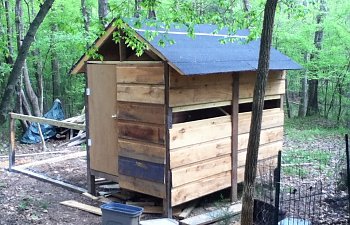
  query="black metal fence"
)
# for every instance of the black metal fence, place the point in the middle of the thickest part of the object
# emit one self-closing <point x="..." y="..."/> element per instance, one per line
<point x="305" y="188"/>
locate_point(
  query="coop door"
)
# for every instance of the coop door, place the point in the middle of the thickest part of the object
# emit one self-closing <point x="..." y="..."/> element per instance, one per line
<point x="102" y="108"/>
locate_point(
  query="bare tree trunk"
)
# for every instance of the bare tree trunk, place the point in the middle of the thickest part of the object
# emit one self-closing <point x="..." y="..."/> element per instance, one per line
<point x="86" y="16"/>
<point x="303" y="91"/>
<point x="137" y="8"/>
<point x="103" y="11"/>
<point x="9" y="33"/>
<point x="257" y="110"/>
<point x="7" y="98"/>
<point x="313" y="108"/>
<point x="56" y="77"/>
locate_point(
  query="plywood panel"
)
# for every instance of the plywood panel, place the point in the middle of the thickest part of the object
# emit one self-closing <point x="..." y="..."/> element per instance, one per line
<point x="199" y="152"/>
<point x="271" y="118"/>
<point x="140" y="112"/>
<point x="200" y="188"/>
<point x="189" y="133"/>
<point x="142" y="132"/>
<point x="141" y="93"/>
<point x="197" y="171"/>
<point x="142" y="186"/>
<point x="102" y="127"/>
<point x="142" y="151"/>
<point x="267" y="136"/>
<point x="141" y="74"/>
<point x="265" y="151"/>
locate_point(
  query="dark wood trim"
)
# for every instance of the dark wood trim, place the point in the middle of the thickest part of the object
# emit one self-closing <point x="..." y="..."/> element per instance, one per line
<point x="91" y="186"/>
<point x="122" y="50"/>
<point x="234" y="136"/>
<point x="100" y="174"/>
<point x="167" y="201"/>
<point x="12" y="150"/>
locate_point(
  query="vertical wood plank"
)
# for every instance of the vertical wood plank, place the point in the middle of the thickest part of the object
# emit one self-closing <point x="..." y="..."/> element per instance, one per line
<point x="167" y="201"/>
<point x="12" y="151"/>
<point x="234" y="136"/>
<point x="90" y="178"/>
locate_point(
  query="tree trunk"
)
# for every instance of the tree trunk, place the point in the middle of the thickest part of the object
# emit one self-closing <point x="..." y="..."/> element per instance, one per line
<point x="257" y="110"/>
<point x="137" y="8"/>
<point x="9" y="33"/>
<point x="86" y="16"/>
<point x="7" y="98"/>
<point x="103" y="11"/>
<point x="303" y="91"/>
<point x="56" y="77"/>
<point x="312" y="108"/>
<point x="246" y="5"/>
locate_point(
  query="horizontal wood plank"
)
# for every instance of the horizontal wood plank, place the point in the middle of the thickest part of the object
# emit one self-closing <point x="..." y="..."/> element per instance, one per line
<point x="189" y="133"/>
<point x="265" y="151"/>
<point x="140" y="93"/>
<point x="201" y="106"/>
<point x="140" y="74"/>
<point x="250" y="77"/>
<point x="271" y="118"/>
<point x="142" y="186"/>
<point x="141" y="169"/>
<point x="142" y="132"/>
<point x="272" y="88"/>
<point x="142" y="151"/>
<point x="199" y="152"/>
<point x="197" y="171"/>
<point x="141" y="112"/>
<point x="266" y="136"/>
<point x="200" y="188"/>
<point x="267" y="97"/>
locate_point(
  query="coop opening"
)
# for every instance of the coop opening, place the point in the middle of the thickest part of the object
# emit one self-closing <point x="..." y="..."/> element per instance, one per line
<point x="200" y="114"/>
<point x="269" y="104"/>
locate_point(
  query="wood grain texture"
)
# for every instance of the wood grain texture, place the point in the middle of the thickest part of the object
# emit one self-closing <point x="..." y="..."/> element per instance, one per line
<point x="142" y="186"/>
<point x="271" y="118"/>
<point x="266" y="136"/>
<point x="141" y="132"/>
<point x="140" y="112"/>
<point x="189" y="133"/>
<point x="140" y="93"/>
<point x="141" y="74"/>
<point x="142" y="151"/>
<point x="200" y="188"/>
<point x="102" y="127"/>
<point x="197" y="171"/>
<point x="265" y="151"/>
<point x="199" y="152"/>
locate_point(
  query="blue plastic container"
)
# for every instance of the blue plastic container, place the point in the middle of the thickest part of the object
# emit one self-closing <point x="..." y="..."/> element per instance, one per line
<point x="120" y="214"/>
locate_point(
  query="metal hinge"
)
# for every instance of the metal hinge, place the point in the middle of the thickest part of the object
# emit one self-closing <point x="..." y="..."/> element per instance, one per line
<point x="87" y="91"/>
<point x="89" y="142"/>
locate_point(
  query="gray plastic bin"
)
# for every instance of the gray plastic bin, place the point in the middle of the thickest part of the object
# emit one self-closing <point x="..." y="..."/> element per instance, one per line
<point x="120" y="214"/>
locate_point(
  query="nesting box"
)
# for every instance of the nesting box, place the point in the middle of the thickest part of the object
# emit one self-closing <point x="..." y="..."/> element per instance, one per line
<point x="174" y="123"/>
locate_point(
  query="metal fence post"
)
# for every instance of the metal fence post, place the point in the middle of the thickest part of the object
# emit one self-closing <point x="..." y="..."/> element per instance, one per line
<point x="277" y="176"/>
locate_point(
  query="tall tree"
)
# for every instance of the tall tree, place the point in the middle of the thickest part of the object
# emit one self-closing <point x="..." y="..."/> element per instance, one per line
<point x="9" y="33"/>
<point x="86" y="16"/>
<point x="312" y="108"/>
<point x="103" y="11"/>
<point x="257" y="109"/>
<point x="56" y="77"/>
<point x="5" y="105"/>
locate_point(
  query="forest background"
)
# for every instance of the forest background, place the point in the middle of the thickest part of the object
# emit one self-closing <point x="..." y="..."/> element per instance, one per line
<point x="314" y="33"/>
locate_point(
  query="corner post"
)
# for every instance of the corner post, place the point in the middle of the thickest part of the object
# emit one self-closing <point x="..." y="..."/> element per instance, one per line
<point x="234" y="135"/>
<point x="12" y="136"/>
<point x="167" y="209"/>
<point x="90" y="178"/>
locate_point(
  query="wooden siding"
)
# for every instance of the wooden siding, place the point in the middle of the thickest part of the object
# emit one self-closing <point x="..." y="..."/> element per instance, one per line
<point x="141" y="128"/>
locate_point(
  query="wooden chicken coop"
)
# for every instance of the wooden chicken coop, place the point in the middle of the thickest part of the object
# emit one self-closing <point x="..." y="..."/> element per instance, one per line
<point x="174" y="123"/>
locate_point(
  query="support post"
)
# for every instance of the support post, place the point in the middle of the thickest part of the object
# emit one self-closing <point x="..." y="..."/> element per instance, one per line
<point x="12" y="151"/>
<point x="90" y="178"/>
<point x="167" y="209"/>
<point x="234" y="136"/>
<point x="277" y="178"/>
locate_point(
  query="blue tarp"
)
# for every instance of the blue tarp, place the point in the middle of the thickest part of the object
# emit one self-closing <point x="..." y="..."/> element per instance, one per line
<point x="32" y="135"/>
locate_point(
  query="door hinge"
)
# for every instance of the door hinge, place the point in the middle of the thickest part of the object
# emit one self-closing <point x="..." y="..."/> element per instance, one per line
<point x="87" y="91"/>
<point x="89" y="142"/>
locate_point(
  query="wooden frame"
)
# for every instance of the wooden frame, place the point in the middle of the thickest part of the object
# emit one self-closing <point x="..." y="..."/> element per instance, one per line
<point x="234" y="136"/>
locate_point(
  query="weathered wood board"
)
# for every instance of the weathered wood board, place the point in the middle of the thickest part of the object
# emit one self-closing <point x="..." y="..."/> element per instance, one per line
<point x="141" y="132"/>
<point x="142" y="186"/>
<point x="141" y="112"/>
<point x="144" y="93"/>
<point x="141" y="74"/>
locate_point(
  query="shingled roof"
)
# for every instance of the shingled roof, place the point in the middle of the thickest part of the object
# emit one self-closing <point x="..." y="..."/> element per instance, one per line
<point x="205" y="54"/>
